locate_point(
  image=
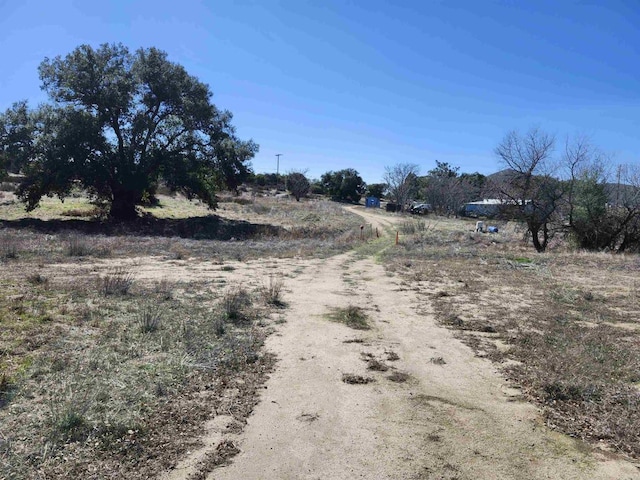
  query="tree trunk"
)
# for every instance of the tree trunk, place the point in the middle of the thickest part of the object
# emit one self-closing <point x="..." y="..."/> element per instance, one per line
<point x="123" y="206"/>
<point x="535" y="230"/>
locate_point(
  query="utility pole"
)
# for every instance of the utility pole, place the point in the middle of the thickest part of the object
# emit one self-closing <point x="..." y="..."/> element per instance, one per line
<point x="618" y="187"/>
<point x="278" y="155"/>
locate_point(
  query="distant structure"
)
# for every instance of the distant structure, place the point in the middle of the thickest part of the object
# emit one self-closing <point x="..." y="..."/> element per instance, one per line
<point x="488" y="207"/>
<point x="372" y="202"/>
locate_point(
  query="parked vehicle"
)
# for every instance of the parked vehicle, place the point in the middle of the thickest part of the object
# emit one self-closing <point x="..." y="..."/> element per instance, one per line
<point x="420" y="208"/>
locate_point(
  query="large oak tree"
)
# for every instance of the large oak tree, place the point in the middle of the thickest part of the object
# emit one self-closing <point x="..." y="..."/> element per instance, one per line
<point x="118" y="123"/>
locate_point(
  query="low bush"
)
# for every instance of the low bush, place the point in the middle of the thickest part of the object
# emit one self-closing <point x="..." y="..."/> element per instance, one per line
<point x="149" y="318"/>
<point x="352" y="316"/>
<point x="271" y="291"/>
<point x="116" y="282"/>
<point x="235" y="304"/>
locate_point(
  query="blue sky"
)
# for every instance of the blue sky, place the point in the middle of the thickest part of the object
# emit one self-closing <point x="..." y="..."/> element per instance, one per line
<point x="363" y="84"/>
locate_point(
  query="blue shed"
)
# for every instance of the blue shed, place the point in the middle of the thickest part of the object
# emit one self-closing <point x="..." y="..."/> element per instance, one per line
<point x="372" y="202"/>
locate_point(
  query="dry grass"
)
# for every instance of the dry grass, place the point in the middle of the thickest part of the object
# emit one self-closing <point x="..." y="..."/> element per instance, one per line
<point x="353" y="379"/>
<point x="118" y="281"/>
<point x="352" y="316"/>
<point x="564" y="324"/>
<point x="94" y="383"/>
<point x="236" y="303"/>
<point x="271" y="291"/>
<point x="399" y="377"/>
<point x="96" y="364"/>
<point x="180" y="230"/>
<point x="376" y="365"/>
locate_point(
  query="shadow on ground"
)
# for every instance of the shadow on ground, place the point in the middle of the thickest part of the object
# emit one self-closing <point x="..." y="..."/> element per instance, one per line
<point x="210" y="227"/>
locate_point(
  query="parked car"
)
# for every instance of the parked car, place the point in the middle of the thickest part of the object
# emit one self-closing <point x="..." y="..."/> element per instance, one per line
<point x="420" y="208"/>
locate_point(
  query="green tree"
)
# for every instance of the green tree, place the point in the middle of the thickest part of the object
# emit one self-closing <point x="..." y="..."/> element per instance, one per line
<point x="476" y="183"/>
<point x="298" y="184"/>
<point x="444" y="189"/>
<point x="344" y="185"/>
<point x="588" y="218"/>
<point x="606" y="216"/>
<point x="15" y="137"/>
<point x="118" y="123"/>
<point x="443" y="170"/>
<point x="376" y="189"/>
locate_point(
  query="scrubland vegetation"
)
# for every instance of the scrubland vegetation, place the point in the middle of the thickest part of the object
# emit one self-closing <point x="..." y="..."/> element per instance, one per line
<point x="563" y="325"/>
<point x="99" y="369"/>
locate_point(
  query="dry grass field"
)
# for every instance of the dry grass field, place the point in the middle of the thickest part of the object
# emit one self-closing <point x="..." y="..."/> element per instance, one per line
<point x="101" y="369"/>
<point x="118" y="343"/>
<point x="564" y="326"/>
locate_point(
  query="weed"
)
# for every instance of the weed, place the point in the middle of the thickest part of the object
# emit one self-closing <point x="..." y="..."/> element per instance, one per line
<point x="354" y="340"/>
<point x="353" y="379"/>
<point x="235" y="303"/>
<point x="237" y="351"/>
<point x="271" y="292"/>
<point x="308" y="417"/>
<point x="522" y="260"/>
<point x="437" y="361"/>
<point x="7" y="386"/>
<point x="219" y="326"/>
<point x="453" y="320"/>
<point x="398" y="377"/>
<point x="352" y="316"/>
<point x="68" y="416"/>
<point x="164" y="289"/>
<point x="37" y="279"/>
<point x="392" y="356"/>
<point x="116" y="282"/>
<point x="8" y="247"/>
<point x="77" y="246"/>
<point x="149" y="319"/>
<point x="414" y="226"/>
<point x="377" y="365"/>
<point x="179" y="252"/>
<point x="8" y="187"/>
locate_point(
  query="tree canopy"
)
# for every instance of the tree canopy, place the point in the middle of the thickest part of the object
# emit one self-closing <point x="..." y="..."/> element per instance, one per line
<point x="118" y="123"/>
<point x="376" y="189"/>
<point x="298" y="184"/>
<point x="344" y="185"/>
<point x="531" y="191"/>
<point x="401" y="180"/>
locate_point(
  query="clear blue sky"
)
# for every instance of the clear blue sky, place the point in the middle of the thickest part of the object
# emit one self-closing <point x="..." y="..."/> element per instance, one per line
<point x="333" y="84"/>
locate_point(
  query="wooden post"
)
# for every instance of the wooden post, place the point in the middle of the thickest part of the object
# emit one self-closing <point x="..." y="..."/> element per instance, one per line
<point x="397" y="238"/>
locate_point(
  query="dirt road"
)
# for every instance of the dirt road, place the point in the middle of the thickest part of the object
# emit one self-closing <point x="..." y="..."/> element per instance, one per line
<point x="439" y="412"/>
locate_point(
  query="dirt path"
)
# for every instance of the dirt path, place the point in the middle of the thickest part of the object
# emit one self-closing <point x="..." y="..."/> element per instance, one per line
<point x="453" y="418"/>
